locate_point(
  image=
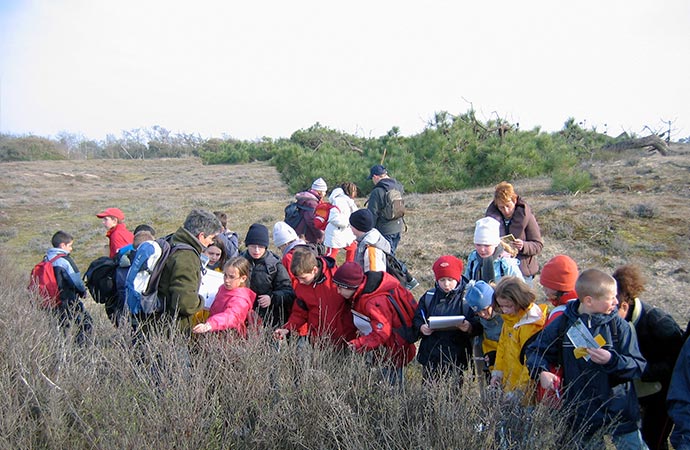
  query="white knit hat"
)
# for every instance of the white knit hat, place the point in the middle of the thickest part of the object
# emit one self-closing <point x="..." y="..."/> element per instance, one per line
<point x="319" y="185"/>
<point x="283" y="233"/>
<point x="486" y="231"/>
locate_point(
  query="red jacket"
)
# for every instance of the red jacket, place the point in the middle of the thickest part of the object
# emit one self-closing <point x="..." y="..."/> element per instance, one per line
<point x="230" y="309"/>
<point x="119" y="237"/>
<point x="321" y="307"/>
<point x="371" y="300"/>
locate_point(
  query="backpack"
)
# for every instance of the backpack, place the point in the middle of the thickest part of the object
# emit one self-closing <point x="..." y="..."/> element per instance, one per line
<point x="321" y="214"/>
<point x="150" y="301"/>
<point x="44" y="281"/>
<point x="99" y="279"/>
<point x="294" y="217"/>
<point x="393" y="204"/>
<point x="399" y="270"/>
<point x="405" y="306"/>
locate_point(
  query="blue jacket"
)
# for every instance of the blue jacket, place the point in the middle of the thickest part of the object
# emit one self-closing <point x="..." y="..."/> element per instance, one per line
<point x="679" y="400"/>
<point x="503" y="267"/>
<point x="69" y="266"/>
<point x="602" y="393"/>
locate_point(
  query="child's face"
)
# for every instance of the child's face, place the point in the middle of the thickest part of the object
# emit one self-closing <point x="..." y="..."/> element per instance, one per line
<point x="486" y="313"/>
<point x="232" y="278"/>
<point x="67" y="247"/>
<point x="213" y="254"/>
<point x="256" y="251"/>
<point x="447" y="284"/>
<point x="605" y="304"/>
<point x="484" y="250"/>
<point x="551" y="295"/>
<point x="507" y="306"/>
<point x="347" y="293"/>
<point x="109" y="222"/>
<point x="309" y="277"/>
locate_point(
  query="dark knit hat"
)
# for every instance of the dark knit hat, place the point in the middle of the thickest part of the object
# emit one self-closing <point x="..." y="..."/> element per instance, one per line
<point x="257" y="235"/>
<point x="362" y="219"/>
<point x="350" y="275"/>
<point x="447" y="266"/>
<point x="559" y="273"/>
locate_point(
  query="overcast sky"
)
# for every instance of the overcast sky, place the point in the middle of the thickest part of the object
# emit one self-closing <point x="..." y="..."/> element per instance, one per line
<point x="268" y="68"/>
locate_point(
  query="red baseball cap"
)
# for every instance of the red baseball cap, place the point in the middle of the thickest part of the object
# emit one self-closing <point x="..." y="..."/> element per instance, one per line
<point x="112" y="212"/>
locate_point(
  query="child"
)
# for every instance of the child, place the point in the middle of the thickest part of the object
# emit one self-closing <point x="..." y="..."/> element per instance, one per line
<point x="369" y="296"/>
<point x="72" y="290"/>
<point x="660" y="339"/>
<point x="318" y="302"/>
<point x="286" y="240"/>
<point x="269" y="279"/>
<point x="522" y="319"/>
<point x="446" y="350"/>
<point x="228" y="240"/>
<point x="338" y="232"/>
<point x="679" y="400"/>
<point x="489" y="261"/>
<point x="216" y="256"/>
<point x="479" y="297"/>
<point x="118" y="234"/>
<point x="597" y="381"/>
<point x="233" y="301"/>
<point x="372" y="247"/>
<point x="558" y="277"/>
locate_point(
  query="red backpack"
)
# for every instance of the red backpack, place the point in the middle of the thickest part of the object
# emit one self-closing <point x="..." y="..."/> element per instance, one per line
<point x="405" y="306"/>
<point x="44" y="282"/>
<point x="321" y="213"/>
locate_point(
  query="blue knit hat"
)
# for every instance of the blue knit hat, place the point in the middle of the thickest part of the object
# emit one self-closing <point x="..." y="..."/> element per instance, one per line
<point x="479" y="295"/>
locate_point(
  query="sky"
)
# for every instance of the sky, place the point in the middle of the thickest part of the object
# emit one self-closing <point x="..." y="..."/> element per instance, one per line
<point x="268" y="68"/>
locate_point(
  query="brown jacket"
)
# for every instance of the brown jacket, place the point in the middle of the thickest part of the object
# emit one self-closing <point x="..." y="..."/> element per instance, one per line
<point x="523" y="225"/>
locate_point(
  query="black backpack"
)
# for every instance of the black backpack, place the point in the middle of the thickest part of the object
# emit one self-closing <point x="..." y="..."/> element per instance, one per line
<point x="294" y="216"/>
<point x="399" y="270"/>
<point x="100" y="280"/>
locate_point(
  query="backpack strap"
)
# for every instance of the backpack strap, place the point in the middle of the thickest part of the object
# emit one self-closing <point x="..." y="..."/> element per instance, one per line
<point x="398" y="308"/>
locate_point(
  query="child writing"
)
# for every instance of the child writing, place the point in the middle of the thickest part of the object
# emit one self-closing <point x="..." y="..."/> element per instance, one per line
<point x="233" y="301"/>
<point x="522" y="318"/>
<point x="446" y="350"/>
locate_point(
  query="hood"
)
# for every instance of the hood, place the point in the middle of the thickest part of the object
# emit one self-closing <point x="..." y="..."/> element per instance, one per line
<point x="375" y="238"/>
<point x="53" y="252"/>
<point x="337" y="192"/>
<point x="390" y="183"/>
<point x="376" y="283"/>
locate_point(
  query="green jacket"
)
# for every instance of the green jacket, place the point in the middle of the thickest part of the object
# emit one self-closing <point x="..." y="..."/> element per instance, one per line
<point x="180" y="279"/>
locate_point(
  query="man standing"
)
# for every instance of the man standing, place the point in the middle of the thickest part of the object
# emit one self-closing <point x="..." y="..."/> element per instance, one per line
<point x="386" y="204"/>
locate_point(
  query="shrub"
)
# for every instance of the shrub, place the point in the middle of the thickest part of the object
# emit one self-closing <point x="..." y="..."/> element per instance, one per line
<point x="571" y="180"/>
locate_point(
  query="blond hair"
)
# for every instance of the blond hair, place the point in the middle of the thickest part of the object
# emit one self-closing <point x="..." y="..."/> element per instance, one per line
<point x="594" y="283"/>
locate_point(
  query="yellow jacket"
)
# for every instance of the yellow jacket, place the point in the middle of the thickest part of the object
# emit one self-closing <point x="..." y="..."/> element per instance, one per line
<point x="517" y="328"/>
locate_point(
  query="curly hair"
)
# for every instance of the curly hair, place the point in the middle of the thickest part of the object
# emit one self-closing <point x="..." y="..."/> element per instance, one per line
<point x="514" y="290"/>
<point x="630" y="283"/>
<point x="349" y="188"/>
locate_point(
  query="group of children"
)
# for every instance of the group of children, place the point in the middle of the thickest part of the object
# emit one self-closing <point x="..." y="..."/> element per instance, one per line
<point x="581" y="351"/>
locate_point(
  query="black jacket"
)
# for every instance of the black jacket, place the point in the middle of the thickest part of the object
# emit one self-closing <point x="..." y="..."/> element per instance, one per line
<point x="446" y="346"/>
<point x="269" y="277"/>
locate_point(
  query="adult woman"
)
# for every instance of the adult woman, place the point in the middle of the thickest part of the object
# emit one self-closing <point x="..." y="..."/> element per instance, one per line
<point x="516" y="218"/>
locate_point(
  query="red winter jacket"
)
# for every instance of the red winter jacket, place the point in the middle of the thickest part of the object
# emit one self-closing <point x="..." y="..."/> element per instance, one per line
<point x="321" y="307"/>
<point x="371" y="300"/>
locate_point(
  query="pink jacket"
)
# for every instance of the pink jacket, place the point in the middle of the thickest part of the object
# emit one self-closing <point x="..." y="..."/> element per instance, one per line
<point x="230" y="308"/>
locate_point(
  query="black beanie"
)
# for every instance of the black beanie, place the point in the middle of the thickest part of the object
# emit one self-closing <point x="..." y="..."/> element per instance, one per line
<point x="257" y="235"/>
<point x="362" y="219"/>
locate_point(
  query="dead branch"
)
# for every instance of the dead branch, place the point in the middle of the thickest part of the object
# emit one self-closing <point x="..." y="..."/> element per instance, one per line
<point x="653" y="141"/>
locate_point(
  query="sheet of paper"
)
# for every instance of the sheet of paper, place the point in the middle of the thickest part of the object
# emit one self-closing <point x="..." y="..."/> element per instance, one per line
<point x="581" y="338"/>
<point x="362" y="322"/>
<point x="444" y="322"/>
<point x="210" y="283"/>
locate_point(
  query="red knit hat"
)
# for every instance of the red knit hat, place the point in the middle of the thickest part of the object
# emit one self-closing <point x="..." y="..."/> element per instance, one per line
<point x="448" y="266"/>
<point x="559" y="273"/>
<point x="350" y="275"/>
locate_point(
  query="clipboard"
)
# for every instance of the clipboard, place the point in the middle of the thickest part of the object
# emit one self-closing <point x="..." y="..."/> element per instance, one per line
<point x="445" y="322"/>
<point x="362" y="322"/>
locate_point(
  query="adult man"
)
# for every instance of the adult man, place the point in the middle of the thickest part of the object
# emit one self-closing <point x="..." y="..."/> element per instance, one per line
<point x="389" y="220"/>
<point x="179" y="283"/>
